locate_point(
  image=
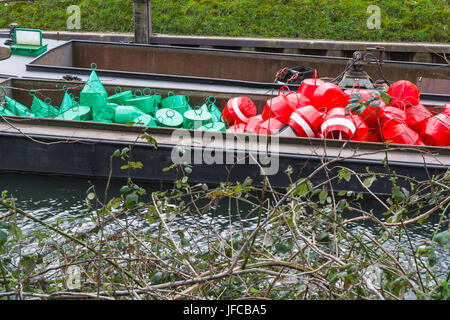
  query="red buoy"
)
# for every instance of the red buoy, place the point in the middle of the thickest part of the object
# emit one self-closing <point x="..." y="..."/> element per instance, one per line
<point x="362" y="129"/>
<point x="308" y="86"/>
<point x="330" y="96"/>
<point x="306" y="121"/>
<point x="416" y="115"/>
<point x="390" y="113"/>
<point x="435" y="130"/>
<point x="446" y="109"/>
<point x="282" y="106"/>
<point x="338" y="125"/>
<point x="253" y="124"/>
<point x="270" y="126"/>
<point x="404" y="91"/>
<point x="238" y="110"/>
<point x="237" y="128"/>
<point x="400" y="133"/>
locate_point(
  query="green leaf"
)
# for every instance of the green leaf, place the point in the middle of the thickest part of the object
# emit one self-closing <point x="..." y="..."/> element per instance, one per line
<point x="342" y="193"/>
<point x="131" y="200"/>
<point x="188" y="170"/>
<point x="157" y="277"/>
<point x="301" y="190"/>
<point x="323" y="196"/>
<point x="369" y="181"/>
<point x="117" y="153"/>
<point x="397" y="193"/>
<point x="431" y="258"/>
<point x="4" y="225"/>
<point x="324" y="237"/>
<point x="115" y="203"/>
<point x="344" y="174"/>
<point x="387" y="98"/>
<point x="442" y="238"/>
<point x="125" y="189"/>
<point x="136" y="165"/>
<point x="91" y="196"/>
<point x="356" y="97"/>
<point x="3" y="238"/>
<point x="150" y="140"/>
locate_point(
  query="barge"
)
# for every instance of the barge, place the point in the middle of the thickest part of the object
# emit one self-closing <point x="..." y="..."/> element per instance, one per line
<point x="84" y="149"/>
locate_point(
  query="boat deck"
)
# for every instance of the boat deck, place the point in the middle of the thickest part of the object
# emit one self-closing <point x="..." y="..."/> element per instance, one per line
<point x="15" y="66"/>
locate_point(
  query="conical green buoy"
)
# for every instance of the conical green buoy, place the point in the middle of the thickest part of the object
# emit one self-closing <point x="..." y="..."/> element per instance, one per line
<point x="18" y="108"/>
<point x="14" y="107"/>
<point x="67" y="102"/>
<point x="145" y="120"/>
<point x="93" y="93"/>
<point x="44" y="109"/>
<point x="125" y="114"/>
<point x="106" y="112"/>
<point x="120" y="97"/>
<point x="5" y="112"/>
<point x="210" y="106"/>
<point x="79" y="113"/>
<point x="71" y="110"/>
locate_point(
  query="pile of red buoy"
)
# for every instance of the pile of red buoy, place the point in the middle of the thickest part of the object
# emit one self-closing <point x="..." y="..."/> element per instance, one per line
<point x="323" y="110"/>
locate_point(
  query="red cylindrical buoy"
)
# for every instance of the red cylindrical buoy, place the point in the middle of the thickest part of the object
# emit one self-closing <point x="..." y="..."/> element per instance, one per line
<point x="237" y="128"/>
<point x="338" y="125"/>
<point x="270" y="126"/>
<point x="330" y="96"/>
<point x="404" y="91"/>
<point x="253" y="124"/>
<point x="416" y="115"/>
<point x="238" y="110"/>
<point x="282" y="106"/>
<point x="371" y="114"/>
<point x="400" y="133"/>
<point x="362" y="129"/>
<point x="308" y="86"/>
<point x="306" y="121"/>
<point x="391" y="114"/>
<point x="436" y="130"/>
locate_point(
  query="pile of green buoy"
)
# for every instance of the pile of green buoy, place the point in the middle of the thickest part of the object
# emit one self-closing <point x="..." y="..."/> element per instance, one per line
<point x="141" y="107"/>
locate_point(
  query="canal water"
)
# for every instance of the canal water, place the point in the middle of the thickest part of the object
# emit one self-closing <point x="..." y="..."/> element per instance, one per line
<point x="52" y="198"/>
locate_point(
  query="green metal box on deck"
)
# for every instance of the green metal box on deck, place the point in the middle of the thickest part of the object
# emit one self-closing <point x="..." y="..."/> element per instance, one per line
<point x="28" y="42"/>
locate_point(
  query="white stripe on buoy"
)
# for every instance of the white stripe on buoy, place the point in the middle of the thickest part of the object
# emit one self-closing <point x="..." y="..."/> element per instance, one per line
<point x="302" y="123"/>
<point x="339" y="121"/>
<point x="238" y="112"/>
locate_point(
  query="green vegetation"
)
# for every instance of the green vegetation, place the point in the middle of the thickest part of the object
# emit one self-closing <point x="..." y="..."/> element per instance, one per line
<point x="420" y="20"/>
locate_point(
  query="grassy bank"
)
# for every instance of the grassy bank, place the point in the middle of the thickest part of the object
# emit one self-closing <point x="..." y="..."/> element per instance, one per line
<point x="421" y="20"/>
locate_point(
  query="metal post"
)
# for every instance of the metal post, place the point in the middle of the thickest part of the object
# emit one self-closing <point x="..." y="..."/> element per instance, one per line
<point x="142" y="21"/>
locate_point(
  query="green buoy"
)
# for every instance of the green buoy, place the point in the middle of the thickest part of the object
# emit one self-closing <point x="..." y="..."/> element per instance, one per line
<point x="93" y="93"/>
